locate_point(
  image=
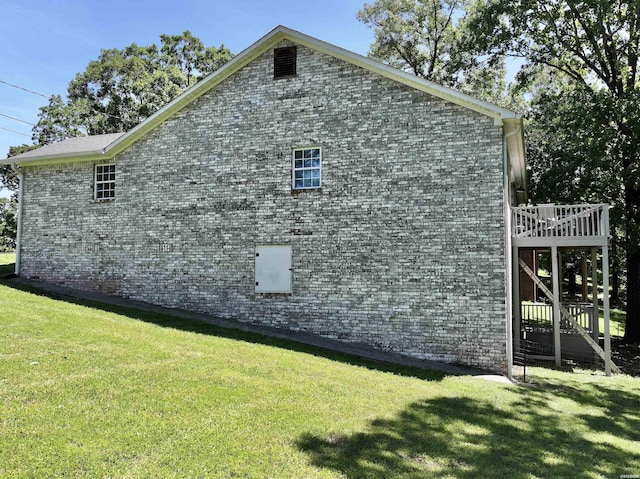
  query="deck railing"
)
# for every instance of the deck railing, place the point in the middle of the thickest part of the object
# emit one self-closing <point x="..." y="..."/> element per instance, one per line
<point x="553" y="221"/>
<point x="539" y="317"/>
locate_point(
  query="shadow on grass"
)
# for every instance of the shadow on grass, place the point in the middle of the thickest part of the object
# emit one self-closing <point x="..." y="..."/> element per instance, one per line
<point x="201" y="327"/>
<point x="7" y="269"/>
<point x="469" y="438"/>
<point x="619" y="407"/>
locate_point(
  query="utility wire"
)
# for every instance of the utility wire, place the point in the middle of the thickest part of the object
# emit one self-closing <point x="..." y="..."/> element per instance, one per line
<point x="14" y="131"/>
<point x="25" y="89"/>
<point x="17" y="119"/>
<point x="39" y="24"/>
<point x="45" y="96"/>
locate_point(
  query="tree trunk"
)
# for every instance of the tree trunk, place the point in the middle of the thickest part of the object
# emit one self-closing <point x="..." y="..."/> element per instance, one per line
<point x="630" y="157"/>
<point x="632" y="328"/>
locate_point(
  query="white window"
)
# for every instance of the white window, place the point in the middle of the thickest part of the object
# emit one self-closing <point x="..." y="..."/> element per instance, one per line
<point x="105" y="182"/>
<point x="307" y="167"/>
<point x="273" y="269"/>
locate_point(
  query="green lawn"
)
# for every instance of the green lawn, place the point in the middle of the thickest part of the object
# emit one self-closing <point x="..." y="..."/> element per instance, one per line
<point x="617" y="320"/>
<point x="87" y="392"/>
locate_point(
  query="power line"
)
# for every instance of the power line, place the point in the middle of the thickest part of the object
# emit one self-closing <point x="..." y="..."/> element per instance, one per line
<point x="39" y="24"/>
<point x="45" y="96"/>
<point x="14" y="131"/>
<point x="24" y="89"/>
<point x="17" y="119"/>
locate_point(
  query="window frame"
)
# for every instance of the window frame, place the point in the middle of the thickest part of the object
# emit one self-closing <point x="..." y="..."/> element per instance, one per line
<point x="111" y="181"/>
<point x="303" y="168"/>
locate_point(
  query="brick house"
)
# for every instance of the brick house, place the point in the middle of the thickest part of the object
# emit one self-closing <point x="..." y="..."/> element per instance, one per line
<point x="300" y="186"/>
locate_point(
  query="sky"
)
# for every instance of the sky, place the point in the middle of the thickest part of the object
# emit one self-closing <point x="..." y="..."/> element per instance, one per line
<point x="44" y="43"/>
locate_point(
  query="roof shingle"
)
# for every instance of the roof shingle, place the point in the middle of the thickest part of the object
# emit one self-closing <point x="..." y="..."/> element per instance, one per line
<point x="71" y="147"/>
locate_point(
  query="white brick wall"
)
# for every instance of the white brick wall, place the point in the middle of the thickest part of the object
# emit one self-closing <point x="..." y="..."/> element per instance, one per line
<point x="402" y="248"/>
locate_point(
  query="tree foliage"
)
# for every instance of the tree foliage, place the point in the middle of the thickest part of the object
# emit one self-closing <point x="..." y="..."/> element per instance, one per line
<point x="591" y="42"/>
<point x="424" y="37"/>
<point x="584" y="138"/>
<point x="8" y="224"/>
<point x="60" y="120"/>
<point x="123" y="87"/>
<point x="8" y="178"/>
<point x="119" y="90"/>
<point x="9" y="206"/>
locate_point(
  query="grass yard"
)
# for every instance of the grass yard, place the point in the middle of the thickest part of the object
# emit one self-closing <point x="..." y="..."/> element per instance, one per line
<point x="617" y="321"/>
<point x="97" y="391"/>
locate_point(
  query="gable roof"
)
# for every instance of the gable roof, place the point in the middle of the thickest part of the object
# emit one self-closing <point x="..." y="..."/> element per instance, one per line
<point x="281" y="33"/>
<point x="80" y="146"/>
<point x="86" y="148"/>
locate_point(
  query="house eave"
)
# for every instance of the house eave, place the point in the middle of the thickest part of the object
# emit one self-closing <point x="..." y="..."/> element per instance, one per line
<point x="280" y="33"/>
<point x="59" y="158"/>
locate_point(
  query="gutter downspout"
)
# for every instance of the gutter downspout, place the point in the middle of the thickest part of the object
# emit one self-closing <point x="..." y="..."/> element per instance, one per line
<point x="18" y="171"/>
<point x="508" y="251"/>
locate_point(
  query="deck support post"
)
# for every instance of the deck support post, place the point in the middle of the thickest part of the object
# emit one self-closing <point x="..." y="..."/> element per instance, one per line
<point x="605" y="307"/>
<point x="555" y="275"/>
<point x="594" y="292"/>
<point x="517" y="306"/>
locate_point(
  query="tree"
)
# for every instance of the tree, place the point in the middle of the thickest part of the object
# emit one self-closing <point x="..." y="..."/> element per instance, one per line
<point x="60" y="120"/>
<point x="423" y="37"/>
<point x="564" y="150"/>
<point x="8" y="178"/>
<point x="8" y="224"/>
<point x="188" y="54"/>
<point x="119" y="90"/>
<point x="594" y="45"/>
<point x="123" y="87"/>
<point x="9" y="206"/>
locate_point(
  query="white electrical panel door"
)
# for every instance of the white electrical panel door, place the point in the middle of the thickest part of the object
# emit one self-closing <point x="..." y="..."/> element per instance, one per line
<point x="273" y="269"/>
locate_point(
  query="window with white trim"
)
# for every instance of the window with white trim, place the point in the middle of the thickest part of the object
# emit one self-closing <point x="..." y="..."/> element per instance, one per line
<point x="105" y="182"/>
<point x="307" y="168"/>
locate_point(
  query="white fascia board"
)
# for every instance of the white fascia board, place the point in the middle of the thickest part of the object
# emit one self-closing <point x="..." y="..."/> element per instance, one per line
<point x="197" y="90"/>
<point x="283" y="33"/>
<point x="409" y="79"/>
<point x="258" y="48"/>
<point x="59" y="158"/>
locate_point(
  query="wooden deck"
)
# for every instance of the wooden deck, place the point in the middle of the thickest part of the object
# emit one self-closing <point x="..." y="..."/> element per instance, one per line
<point x="560" y="225"/>
<point x="554" y="227"/>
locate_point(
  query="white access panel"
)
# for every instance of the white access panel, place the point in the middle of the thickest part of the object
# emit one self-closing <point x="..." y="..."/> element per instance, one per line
<point x="273" y="269"/>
